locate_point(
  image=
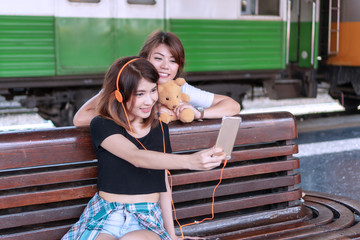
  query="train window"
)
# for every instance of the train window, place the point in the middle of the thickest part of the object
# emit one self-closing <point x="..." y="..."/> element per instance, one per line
<point x="85" y="1"/>
<point x="248" y="7"/>
<point x="260" y="7"/>
<point x="147" y="2"/>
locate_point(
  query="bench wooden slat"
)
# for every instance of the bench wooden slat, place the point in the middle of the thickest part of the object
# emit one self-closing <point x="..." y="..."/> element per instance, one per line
<point x="335" y="207"/>
<point x="269" y="128"/>
<point x="352" y="204"/>
<point x="344" y="220"/>
<point x="257" y="233"/>
<point x="242" y="171"/>
<point x="232" y="205"/>
<point x="50" y="177"/>
<point x="57" y="195"/>
<point x="41" y="156"/>
<point x="44" y="147"/>
<point x="325" y="215"/>
<point x="272" y="231"/>
<point x="41" y="216"/>
<point x="345" y="216"/>
<point x="235" y="188"/>
<point x="39" y="234"/>
<point x="247" y="222"/>
<point x="266" y="152"/>
<point x="307" y="229"/>
<point x="352" y="232"/>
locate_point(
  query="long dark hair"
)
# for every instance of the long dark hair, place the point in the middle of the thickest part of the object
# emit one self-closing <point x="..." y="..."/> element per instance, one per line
<point x="108" y="106"/>
<point x="169" y="39"/>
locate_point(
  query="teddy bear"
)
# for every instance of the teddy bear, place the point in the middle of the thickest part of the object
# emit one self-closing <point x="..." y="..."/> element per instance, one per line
<point x="170" y="96"/>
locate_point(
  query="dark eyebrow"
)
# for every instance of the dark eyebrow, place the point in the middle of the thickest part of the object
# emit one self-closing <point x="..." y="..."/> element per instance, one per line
<point x="141" y="90"/>
<point x="159" y="53"/>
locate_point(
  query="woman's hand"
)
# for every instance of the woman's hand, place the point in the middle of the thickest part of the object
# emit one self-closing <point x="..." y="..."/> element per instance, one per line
<point x="184" y="105"/>
<point x="207" y="159"/>
<point x="163" y="109"/>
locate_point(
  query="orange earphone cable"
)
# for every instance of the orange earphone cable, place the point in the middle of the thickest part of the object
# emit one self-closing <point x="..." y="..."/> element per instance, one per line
<point x="127" y="118"/>
<point x="171" y="182"/>
<point x="212" y="204"/>
<point x="162" y="129"/>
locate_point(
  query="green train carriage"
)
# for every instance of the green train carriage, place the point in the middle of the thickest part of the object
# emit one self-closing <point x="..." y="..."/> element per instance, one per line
<point x="56" y="51"/>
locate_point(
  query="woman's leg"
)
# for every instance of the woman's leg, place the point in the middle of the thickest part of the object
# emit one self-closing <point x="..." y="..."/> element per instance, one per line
<point x="140" y="235"/>
<point x="105" y="236"/>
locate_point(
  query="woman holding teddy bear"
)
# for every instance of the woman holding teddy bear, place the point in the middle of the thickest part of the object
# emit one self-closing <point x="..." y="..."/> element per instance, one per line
<point x="166" y="52"/>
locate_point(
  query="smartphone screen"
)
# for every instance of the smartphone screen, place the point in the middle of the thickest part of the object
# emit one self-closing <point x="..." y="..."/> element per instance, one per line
<point x="227" y="134"/>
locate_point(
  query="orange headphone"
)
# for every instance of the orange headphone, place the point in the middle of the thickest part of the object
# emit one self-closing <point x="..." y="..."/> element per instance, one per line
<point x="120" y="97"/>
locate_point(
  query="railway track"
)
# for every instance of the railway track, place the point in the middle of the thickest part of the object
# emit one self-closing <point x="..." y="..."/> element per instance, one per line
<point x="14" y="107"/>
<point x="17" y="110"/>
<point x="14" y="117"/>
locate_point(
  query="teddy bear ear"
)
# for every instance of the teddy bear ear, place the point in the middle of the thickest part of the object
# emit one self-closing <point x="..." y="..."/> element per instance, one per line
<point x="180" y="81"/>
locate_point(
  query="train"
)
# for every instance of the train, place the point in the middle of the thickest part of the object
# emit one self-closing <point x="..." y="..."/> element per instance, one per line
<point x="55" y="52"/>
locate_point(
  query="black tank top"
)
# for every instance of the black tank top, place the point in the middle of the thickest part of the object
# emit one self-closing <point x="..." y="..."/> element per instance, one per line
<point x="116" y="175"/>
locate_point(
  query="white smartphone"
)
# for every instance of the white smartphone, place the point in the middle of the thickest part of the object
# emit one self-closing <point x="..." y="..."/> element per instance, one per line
<point x="227" y="134"/>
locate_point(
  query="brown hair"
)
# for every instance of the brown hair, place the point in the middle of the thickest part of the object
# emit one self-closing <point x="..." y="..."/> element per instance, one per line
<point x="108" y="106"/>
<point x="169" y="39"/>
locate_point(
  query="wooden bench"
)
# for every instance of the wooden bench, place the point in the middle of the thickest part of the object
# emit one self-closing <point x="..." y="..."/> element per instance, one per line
<point x="48" y="176"/>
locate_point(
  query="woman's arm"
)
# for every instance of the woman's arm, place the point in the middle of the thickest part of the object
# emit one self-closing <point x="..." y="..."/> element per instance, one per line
<point x="215" y="105"/>
<point x="120" y="146"/>
<point x="87" y="112"/>
<point x="221" y="106"/>
<point x="166" y="209"/>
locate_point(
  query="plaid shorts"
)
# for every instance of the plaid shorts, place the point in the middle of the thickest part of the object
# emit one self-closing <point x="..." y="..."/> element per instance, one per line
<point x="93" y="219"/>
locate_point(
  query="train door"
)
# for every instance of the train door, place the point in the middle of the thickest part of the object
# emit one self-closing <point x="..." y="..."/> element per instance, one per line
<point x="84" y="36"/>
<point x="304" y="36"/>
<point x="134" y="21"/>
<point x="304" y="42"/>
<point x="91" y="34"/>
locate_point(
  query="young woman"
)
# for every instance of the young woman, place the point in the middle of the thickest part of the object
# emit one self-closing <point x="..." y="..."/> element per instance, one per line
<point x="165" y="51"/>
<point x="133" y="149"/>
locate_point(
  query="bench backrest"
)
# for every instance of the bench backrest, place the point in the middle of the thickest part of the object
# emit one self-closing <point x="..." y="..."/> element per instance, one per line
<point x="48" y="176"/>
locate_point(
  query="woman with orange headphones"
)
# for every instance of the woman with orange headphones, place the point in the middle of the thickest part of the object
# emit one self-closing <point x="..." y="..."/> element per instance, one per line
<point x="133" y="149"/>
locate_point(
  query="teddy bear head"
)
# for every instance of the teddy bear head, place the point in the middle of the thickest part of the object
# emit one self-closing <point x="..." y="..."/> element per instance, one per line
<point x="170" y="93"/>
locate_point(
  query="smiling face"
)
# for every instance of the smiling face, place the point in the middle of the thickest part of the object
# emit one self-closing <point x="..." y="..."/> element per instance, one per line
<point x="164" y="63"/>
<point x="143" y="100"/>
